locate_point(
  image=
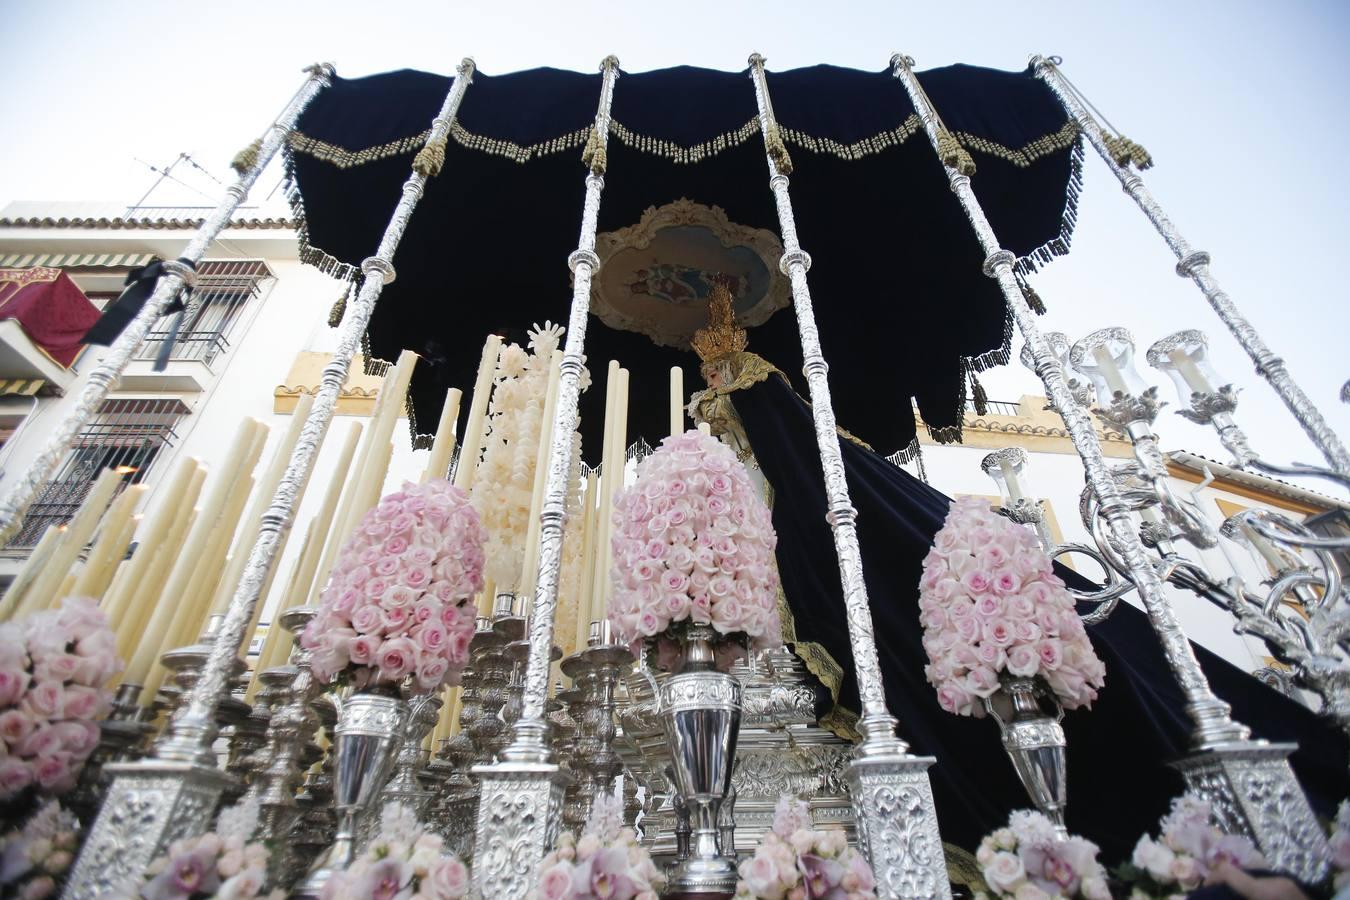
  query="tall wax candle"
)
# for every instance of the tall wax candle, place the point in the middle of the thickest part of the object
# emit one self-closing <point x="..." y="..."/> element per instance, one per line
<point x="46" y="587"/>
<point x="101" y="556"/>
<point x="608" y="466"/>
<point x="472" y="444"/>
<point x="676" y="400"/>
<point x="167" y="505"/>
<point x="1190" y="373"/>
<point x="588" y="503"/>
<point x="1110" y="371"/>
<point x="443" y="447"/>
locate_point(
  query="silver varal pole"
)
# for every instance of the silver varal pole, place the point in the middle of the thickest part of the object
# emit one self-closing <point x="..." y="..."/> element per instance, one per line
<point x="521" y="802"/>
<point x="891" y="792"/>
<point x="1194" y="264"/>
<point x="1249" y="783"/>
<point x="174" y="792"/>
<point x="177" y="275"/>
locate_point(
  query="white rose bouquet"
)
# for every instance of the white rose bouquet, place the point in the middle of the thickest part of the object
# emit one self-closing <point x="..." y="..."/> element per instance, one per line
<point x="1187" y="849"/>
<point x="1028" y="860"/>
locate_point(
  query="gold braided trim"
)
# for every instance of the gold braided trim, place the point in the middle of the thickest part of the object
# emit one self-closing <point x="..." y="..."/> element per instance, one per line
<point x="1042" y="146"/>
<point x="677" y="153"/>
<point x="858" y="149"/>
<point x="681" y="154"/>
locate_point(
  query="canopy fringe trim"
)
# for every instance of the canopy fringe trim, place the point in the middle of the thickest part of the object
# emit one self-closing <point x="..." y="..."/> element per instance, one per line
<point x="344" y="158"/>
<point x="1059" y="245"/>
<point x="309" y="254"/>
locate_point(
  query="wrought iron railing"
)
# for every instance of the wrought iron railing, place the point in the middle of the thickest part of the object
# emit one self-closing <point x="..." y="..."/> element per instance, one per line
<point x="224" y="288"/>
<point x="128" y="435"/>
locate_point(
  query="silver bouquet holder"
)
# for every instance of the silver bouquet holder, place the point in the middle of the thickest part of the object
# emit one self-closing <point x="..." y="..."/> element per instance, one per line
<point x="700" y="711"/>
<point x="1035" y="743"/>
<point x="369" y="732"/>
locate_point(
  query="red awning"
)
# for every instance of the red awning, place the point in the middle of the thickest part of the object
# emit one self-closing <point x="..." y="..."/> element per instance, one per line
<point x="54" y="313"/>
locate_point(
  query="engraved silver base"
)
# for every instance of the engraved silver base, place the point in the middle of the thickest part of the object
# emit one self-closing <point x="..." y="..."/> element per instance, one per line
<point x="897" y="825"/>
<point x="519" y="810"/>
<point x="150" y="804"/>
<point x="1252" y="791"/>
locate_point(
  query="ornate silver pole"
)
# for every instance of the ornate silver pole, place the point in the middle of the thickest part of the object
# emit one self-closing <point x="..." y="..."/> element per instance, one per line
<point x="1249" y="783"/>
<point x="891" y="791"/>
<point x="174" y="793"/>
<point x="1194" y="264"/>
<point x="103" y="376"/>
<point x="521" y="800"/>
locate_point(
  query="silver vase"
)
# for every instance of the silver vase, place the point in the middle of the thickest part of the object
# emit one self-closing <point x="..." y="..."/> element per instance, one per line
<point x="369" y="733"/>
<point x="701" y="713"/>
<point x="1035" y="742"/>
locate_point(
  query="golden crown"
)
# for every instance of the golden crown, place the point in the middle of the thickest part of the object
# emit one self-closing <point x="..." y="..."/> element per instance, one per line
<point x="722" y="336"/>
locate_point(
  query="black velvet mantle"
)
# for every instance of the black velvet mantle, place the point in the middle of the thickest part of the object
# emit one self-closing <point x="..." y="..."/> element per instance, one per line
<point x="902" y="306"/>
<point x="1119" y="783"/>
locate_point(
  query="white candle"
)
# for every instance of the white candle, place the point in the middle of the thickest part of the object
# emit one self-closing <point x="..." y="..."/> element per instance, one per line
<point x="588" y="502"/>
<point x="320" y="526"/>
<point x="1010" y="479"/>
<point x="705" y="429"/>
<point x="1107" y="366"/>
<point x="107" y="553"/>
<point x="438" y="465"/>
<point x="611" y="472"/>
<point x="1265" y="548"/>
<point x="46" y="589"/>
<point x="1190" y="373"/>
<point x="676" y="400"/>
<point x="472" y="444"/>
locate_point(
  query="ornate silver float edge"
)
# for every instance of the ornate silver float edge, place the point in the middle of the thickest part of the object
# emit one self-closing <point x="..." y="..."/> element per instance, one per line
<point x="891" y="790"/>
<point x="103" y="376"/>
<point x="1194" y="264"/>
<point x="520" y="808"/>
<point x="185" y="747"/>
<point x="1217" y="741"/>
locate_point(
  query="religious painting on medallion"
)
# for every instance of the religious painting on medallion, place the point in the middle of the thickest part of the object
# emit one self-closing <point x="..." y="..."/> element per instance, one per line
<point x="657" y="275"/>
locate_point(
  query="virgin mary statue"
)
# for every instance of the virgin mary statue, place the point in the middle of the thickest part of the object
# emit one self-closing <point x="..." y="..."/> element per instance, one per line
<point x="1119" y="782"/>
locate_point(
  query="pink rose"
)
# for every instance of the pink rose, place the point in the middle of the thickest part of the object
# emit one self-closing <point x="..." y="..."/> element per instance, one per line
<point x="363" y="649"/>
<point x="44" y="700"/>
<point x="431" y="672"/>
<point x="700" y="609"/>
<point x="955" y="699"/>
<point x="368" y="619"/>
<point x="398" y="595"/>
<point x="396" y="658"/>
<point x="431" y="636"/>
<point x="457" y="650"/>
<point x="15" y="726"/>
<point x="556" y="882"/>
<point x="1023" y="661"/>
<point x="395" y="545"/>
<point x="15" y="775"/>
<point x="1051" y="654"/>
<point x="54" y="772"/>
<point x="80" y="702"/>
<point x="981" y="681"/>
<point x="976" y="581"/>
<point x="45" y="741"/>
<point x="450" y="878"/>
<point x="968" y="629"/>
<point x="387" y="567"/>
<point x="989" y="606"/>
<point x="13" y="682"/>
<point x="396" y="620"/>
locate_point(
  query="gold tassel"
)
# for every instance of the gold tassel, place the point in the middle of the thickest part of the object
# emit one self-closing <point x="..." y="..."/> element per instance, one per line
<point x="247" y="158"/>
<point x="778" y="152"/>
<point x="339" y="308"/>
<point x="592" y="144"/>
<point x="599" y="160"/>
<point x="430" y="159"/>
<point x="953" y="154"/>
<point x="1033" y="299"/>
<point x="978" y="396"/>
<point x="1138" y="155"/>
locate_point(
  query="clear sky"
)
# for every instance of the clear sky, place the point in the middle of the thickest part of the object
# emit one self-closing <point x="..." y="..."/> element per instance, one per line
<point x="1244" y="106"/>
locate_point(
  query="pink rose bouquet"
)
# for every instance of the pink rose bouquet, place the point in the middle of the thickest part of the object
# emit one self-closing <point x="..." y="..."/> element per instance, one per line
<point x="1188" y="847"/>
<point x="991" y="607"/>
<point x="220" y="863"/>
<point x="395" y="604"/>
<point x="1028" y="860"/>
<point x="693" y="542"/>
<point x="403" y="860"/>
<point x="607" y="863"/>
<point x="53" y="668"/>
<point x="34" y="859"/>
<point x="796" y="862"/>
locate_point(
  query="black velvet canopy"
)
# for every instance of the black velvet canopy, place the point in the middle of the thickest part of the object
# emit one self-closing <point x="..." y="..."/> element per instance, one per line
<point x="902" y="306"/>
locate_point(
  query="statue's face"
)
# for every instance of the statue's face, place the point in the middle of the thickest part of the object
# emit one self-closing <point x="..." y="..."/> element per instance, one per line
<point x="712" y="375"/>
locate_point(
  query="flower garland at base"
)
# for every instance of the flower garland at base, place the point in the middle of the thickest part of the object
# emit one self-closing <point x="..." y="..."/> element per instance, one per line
<point x="991" y="607"/>
<point x="34" y="859"/>
<point x="220" y="864"/>
<point x="607" y="863"/>
<point x="403" y="861"/>
<point x="1028" y="860"/>
<point x="395" y="603"/>
<point x="693" y="543"/>
<point x="796" y="862"/>
<point x="1188" y="849"/>
<point x="53" y="668"/>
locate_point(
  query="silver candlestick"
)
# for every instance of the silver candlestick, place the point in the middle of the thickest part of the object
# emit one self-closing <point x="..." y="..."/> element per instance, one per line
<point x="596" y="671"/>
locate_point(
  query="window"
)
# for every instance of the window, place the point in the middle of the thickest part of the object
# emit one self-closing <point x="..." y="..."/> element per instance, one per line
<point x="127" y="434"/>
<point x="223" y="289"/>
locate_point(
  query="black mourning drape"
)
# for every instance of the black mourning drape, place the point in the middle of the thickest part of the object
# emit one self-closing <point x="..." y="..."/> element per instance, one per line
<point x="901" y="302"/>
